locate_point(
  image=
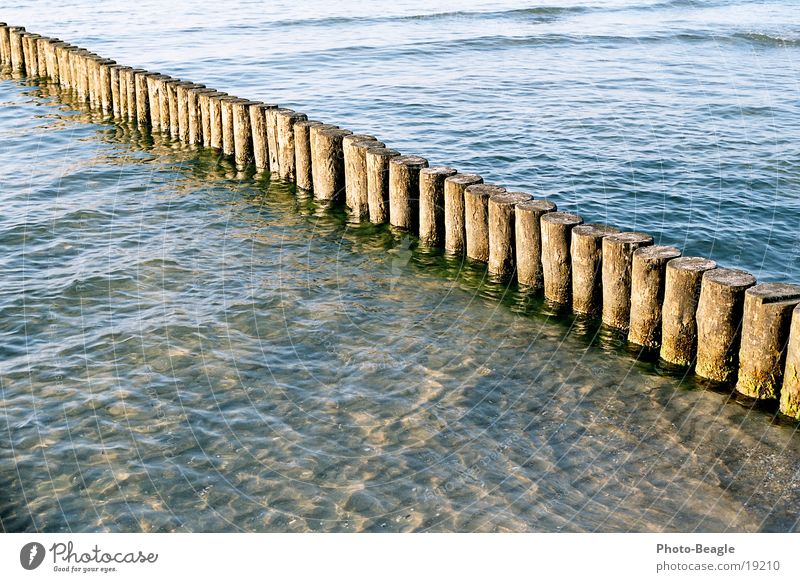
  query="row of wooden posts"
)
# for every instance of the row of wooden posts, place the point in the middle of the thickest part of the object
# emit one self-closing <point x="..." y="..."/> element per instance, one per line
<point x="689" y="309"/>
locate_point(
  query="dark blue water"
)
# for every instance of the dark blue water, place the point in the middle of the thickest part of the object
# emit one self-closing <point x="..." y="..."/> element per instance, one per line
<point x="187" y="348"/>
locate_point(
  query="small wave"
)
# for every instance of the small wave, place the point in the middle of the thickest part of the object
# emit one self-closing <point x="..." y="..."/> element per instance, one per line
<point x="767" y="39"/>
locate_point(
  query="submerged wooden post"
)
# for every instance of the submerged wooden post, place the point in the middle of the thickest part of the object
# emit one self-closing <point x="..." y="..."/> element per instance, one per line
<point x="127" y="94"/>
<point x="556" y="263"/>
<point x="63" y="50"/>
<point x="431" y="204"/>
<point x="163" y="86"/>
<point x="42" y="51"/>
<point x="285" y="122"/>
<point x="476" y="219"/>
<point x="242" y="133"/>
<point x="404" y="191"/>
<point x="227" y="124"/>
<point x="455" y="236"/>
<point x="617" y="262"/>
<point x="355" y="173"/>
<point x="766" y="323"/>
<point x="719" y="318"/>
<point x="152" y="101"/>
<point x="681" y="294"/>
<point x="502" y="257"/>
<point x="105" y="89"/>
<point x="378" y="182"/>
<point x="790" y="391"/>
<point x="327" y="162"/>
<point x="113" y="79"/>
<point x="647" y="293"/>
<point x="30" y="54"/>
<point x="528" y="241"/>
<point x="193" y="112"/>
<point x="142" y="102"/>
<point x="204" y="108"/>
<point x="258" y="126"/>
<point x="302" y="153"/>
<point x="586" y="251"/>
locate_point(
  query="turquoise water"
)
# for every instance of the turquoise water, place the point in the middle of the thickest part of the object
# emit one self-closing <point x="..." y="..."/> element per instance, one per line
<point x="185" y="347"/>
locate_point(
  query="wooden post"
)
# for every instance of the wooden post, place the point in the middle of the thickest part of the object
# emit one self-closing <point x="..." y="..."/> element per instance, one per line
<point x="52" y="60"/>
<point x="5" y="45"/>
<point x="556" y="263"/>
<point x="586" y="250"/>
<point x="355" y="186"/>
<point x="271" y="121"/>
<point x="193" y="112"/>
<point x="104" y="78"/>
<point x="327" y="162"/>
<point x="152" y="101"/>
<point x="62" y="57"/>
<point x="647" y="293"/>
<point x="455" y="237"/>
<point x="404" y="191"/>
<point x="182" y="99"/>
<point x="431" y="204"/>
<point x="476" y="219"/>
<point x="242" y="133"/>
<point x="142" y="101"/>
<point x="285" y="121"/>
<point x="228" y="147"/>
<point x="42" y="48"/>
<point x="258" y="125"/>
<point x="378" y="182"/>
<point x="113" y="79"/>
<point x="719" y="320"/>
<point x="302" y="153"/>
<point x="766" y="323"/>
<point x="528" y="241"/>
<point x="681" y="294"/>
<point x="163" y="86"/>
<point x="790" y="391"/>
<point x="617" y="262"/>
<point x="171" y="88"/>
<point x="502" y="257"/>
<point x="15" y="48"/>
<point x="30" y="54"/>
<point x="215" y="118"/>
<point x="130" y="93"/>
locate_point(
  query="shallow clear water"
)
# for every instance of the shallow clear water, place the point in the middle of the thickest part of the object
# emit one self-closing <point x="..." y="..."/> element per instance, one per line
<point x="185" y="347"/>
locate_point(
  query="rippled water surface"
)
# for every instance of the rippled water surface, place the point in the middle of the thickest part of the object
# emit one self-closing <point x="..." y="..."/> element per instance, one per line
<point x="188" y="347"/>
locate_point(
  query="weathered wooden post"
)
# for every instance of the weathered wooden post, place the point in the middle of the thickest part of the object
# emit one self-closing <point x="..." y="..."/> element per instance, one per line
<point x="378" y="182"/>
<point x="502" y="256"/>
<point x="258" y="125"/>
<point x="113" y="79"/>
<point x="556" y="263"/>
<point x="206" y="108"/>
<point x="30" y="54"/>
<point x="355" y="173"/>
<point x="617" y="262"/>
<point x="228" y="147"/>
<point x="302" y="153"/>
<point x="163" y="87"/>
<point x="455" y="236"/>
<point x="327" y="162"/>
<point x="790" y="391"/>
<point x="719" y="318"/>
<point x="648" y="274"/>
<point x="152" y="101"/>
<point x="528" y="241"/>
<point x="63" y="50"/>
<point x="431" y="204"/>
<point x="52" y="46"/>
<point x="242" y="133"/>
<point x="171" y="88"/>
<point x="586" y="251"/>
<point x="142" y="101"/>
<point x="681" y="294"/>
<point x="271" y="121"/>
<point x="104" y="79"/>
<point x="15" y="48"/>
<point x="42" y="50"/>
<point x="404" y="191"/>
<point x="193" y="112"/>
<point x="766" y="323"/>
<point x="5" y="45"/>
<point x="285" y="122"/>
<point x="215" y="118"/>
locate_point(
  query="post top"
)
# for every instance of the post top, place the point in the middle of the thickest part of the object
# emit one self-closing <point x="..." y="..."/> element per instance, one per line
<point x="566" y="218"/>
<point x="536" y="206"/>
<point x="629" y="238"/>
<point x="656" y="253"/>
<point x="691" y="264"/>
<point x="439" y="171"/>
<point x="775" y="293"/>
<point x="484" y="190"/>
<point x="409" y="161"/>
<point x="729" y="278"/>
<point x="594" y="230"/>
<point x="463" y="179"/>
<point x="509" y="198"/>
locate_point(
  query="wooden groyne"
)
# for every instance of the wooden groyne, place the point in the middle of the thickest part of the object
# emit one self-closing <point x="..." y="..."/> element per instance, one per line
<point x="718" y="322"/>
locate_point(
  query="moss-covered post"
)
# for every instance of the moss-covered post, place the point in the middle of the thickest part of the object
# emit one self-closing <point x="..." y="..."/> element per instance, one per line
<point x="647" y="293"/>
<point x="766" y="323"/>
<point x="617" y="264"/>
<point x="528" y="241"/>
<point x="678" y="321"/>
<point x="455" y="235"/>
<point x="502" y="238"/>
<point x="556" y="262"/>
<point x="431" y="204"/>
<point x="378" y="182"/>
<point x="586" y="251"/>
<point x="302" y="153"/>
<point x="790" y="391"/>
<point x="719" y="322"/>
